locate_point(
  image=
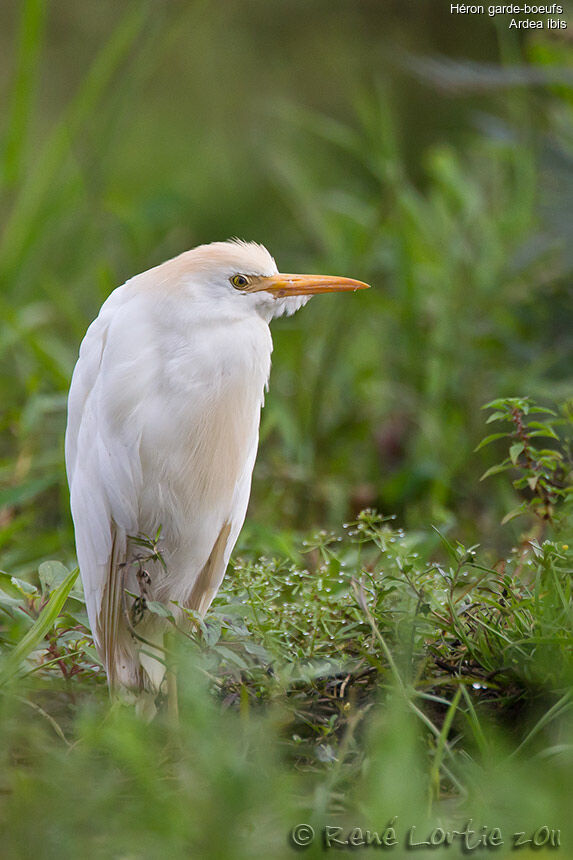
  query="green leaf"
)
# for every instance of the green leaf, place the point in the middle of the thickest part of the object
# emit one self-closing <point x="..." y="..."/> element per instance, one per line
<point x="514" y="513"/>
<point x="25" y="588"/>
<point x="497" y="416"/>
<point x="449" y="547"/>
<point x="39" y="629"/>
<point x="550" y="454"/>
<point x="537" y="550"/>
<point x="515" y="451"/>
<point x="212" y="632"/>
<point x="544" y="409"/>
<point x="258" y="651"/>
<point x="541" y="429"/>
<point x="494" y="470"/>
<point x="8" y="586"/>
<point x="505" y="403"/>
<point x="494" y="404"/>
<point x="51" y="574"/>
<point x="491" y="438"/>
<point x="158" y="608"/>
<point x="231" y="657"/>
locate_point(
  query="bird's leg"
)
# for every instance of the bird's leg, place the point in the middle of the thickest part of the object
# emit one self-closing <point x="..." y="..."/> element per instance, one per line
<point x="144" y="581"/>
<point x="139" y="604"/>
<point x="171" y="678"/>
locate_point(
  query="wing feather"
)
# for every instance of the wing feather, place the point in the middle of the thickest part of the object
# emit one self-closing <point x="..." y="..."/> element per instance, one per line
<point x="211" y="576"/>
<point x="104" y="475"/>
<point x="207" y="583"/>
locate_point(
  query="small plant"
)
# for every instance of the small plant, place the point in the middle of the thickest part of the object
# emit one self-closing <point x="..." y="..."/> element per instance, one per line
<point x="545" y="473"/>
<point x="40" y="613"/>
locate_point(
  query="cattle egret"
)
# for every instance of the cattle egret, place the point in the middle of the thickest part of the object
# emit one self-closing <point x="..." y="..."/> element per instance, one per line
<point x="162" y="434"/>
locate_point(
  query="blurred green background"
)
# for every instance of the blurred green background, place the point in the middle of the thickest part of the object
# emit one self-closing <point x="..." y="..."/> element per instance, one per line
<point x="427" y="153"/>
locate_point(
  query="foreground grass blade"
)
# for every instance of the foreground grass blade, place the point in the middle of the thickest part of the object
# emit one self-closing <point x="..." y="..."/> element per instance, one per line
<point x="30" y="39"/>
<point x="84" y="104"/>
<point x="441" y="747"/>
<point x="41" y="626"/>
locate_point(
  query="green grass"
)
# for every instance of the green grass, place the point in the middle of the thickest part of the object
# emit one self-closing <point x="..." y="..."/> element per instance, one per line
<point x="374" y="679"/>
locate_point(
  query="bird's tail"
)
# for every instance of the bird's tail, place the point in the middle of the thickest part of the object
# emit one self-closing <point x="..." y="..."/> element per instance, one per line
<point x="131" y="652"/>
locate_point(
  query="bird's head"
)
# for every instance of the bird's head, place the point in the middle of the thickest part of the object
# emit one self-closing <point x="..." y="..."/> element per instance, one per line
<point x="242" y="276"/>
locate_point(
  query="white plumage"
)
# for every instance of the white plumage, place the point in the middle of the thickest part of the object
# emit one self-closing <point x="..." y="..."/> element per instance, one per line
<point x="163" y="421"/>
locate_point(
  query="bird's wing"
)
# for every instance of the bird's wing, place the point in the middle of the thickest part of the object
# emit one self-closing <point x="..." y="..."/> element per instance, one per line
<point x="104" y="474"/>
<point x="211" y="576"/>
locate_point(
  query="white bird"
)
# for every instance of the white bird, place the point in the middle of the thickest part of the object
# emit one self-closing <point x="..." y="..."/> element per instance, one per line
<point x="162" y="435"/>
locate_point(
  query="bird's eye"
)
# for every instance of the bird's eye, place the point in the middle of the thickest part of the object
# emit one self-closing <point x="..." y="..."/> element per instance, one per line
<point x="240" y="281"/>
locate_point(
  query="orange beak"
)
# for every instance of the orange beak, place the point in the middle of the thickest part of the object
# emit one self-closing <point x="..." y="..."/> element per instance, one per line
<point x="307" y="285"/>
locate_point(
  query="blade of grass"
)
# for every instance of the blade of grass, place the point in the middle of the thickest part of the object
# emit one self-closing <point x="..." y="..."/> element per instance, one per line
<point x="434" y="782"/>
<point x="41" y="176"/>
<point x="474" y="722"/>
<point x="559" y="708"/>
<point x="21" y="98"/>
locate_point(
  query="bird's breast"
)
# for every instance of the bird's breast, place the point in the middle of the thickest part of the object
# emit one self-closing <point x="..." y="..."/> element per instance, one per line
<point x="201" y="426"/>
